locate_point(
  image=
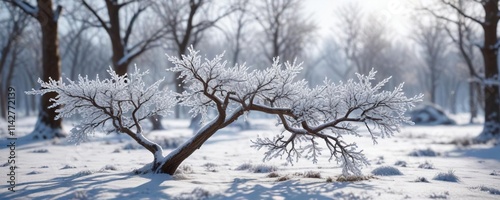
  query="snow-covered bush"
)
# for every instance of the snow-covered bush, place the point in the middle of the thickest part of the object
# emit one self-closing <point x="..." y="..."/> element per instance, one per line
<point x="312" y="174"/>
<point x="352" y="178"/>
<point x="421" y="180"/>
<point x="449" y="176"/>
<point x="443" y="195"/>
<point x="197" y="194"/>
<point x="426" y="165"/>
<point x="424" y="153"/>
<point x="311" y="117"/>
<point x="210" y="167"/>
<point x="260" y="168"/>
<point x="401" y="163"/>
<point x="68" y="167"/>
<point x="386" y="171"/>
<point x="109" y="167"/>
<point x="490" y="190"/>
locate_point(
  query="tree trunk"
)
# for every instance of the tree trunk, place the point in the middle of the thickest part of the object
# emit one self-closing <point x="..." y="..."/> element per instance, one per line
<point x="491" y="96"/>
<point x="156" y="122"/>
<point x="47" y="127"/>
<point x="472" y="102"/>
<point x="174" y="159"/>
<point x="115" y="37"/>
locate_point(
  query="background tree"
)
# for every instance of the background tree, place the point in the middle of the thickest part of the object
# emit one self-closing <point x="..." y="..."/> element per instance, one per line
<point x="14" y="23"/>
<point x="240" y="36"/>
<point x="350" y="17"/>
<point x="309" y="115"/>
<point x="432" y="40"/>
<point x="365" y="41"/>
<point x="286" y="31"/>
<point x="81" y="50"/>
<point x="463" y="33"/>
<point x="488" y="21"/>
<point x="125" y="48"/>
<point x="47" y="126"/>
<point x="124" y="44"/>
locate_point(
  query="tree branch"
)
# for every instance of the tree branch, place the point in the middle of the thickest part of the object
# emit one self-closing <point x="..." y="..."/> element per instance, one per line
<point x="94" y="12"/>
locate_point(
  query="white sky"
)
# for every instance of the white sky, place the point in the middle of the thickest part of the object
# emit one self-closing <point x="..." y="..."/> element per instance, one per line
<point x="397" y="13"/>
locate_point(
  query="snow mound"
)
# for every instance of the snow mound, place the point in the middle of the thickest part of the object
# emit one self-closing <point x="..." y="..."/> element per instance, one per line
<point x="430" y="114"/>
<point x="386" y="171"/>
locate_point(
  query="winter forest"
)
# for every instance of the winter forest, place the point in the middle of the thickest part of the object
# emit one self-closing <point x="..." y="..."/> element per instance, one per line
<point x="240" y="99"/>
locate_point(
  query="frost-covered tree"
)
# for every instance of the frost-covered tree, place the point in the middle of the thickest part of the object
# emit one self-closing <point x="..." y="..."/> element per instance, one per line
<point x="311" y="117"/>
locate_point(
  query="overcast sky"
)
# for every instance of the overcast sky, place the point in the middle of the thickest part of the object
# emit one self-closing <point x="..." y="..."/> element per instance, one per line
<point x="397" y="13"/>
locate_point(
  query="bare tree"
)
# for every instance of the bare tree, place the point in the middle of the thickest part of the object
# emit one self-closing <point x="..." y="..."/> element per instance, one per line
<point x="351" y="18"/>
<point x="488" y="21"/>
<point x="125" y="47"/>
<point x="464" y="34"/>
<point x="76" y="48"/>
<point x="47" y="126"/>
<point x="365" y="40"/>
<point x="432" y="39"/>
<point x="14" y="25"/>
<point x="374" y="46"/>
<point x="242" y="20"/>
<point x="286" y="30"/>
<point x="310" y="116"/>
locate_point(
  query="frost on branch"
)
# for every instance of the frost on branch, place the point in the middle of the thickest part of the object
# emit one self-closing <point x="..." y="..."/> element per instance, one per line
<point x="314" y="119"/>
<point x="115" y="104"/>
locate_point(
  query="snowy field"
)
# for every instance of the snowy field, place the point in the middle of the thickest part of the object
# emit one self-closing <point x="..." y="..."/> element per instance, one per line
<point x="226" y="167"/>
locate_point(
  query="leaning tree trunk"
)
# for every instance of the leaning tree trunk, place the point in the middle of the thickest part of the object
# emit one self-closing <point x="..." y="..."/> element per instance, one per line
<point x="175" y="158"/>
<point x="170" y="165"/>
<point x="47" y="127"/>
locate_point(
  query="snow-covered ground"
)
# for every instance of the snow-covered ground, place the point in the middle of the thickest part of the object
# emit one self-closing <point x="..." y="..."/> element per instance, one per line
<point x="226" y="167"/>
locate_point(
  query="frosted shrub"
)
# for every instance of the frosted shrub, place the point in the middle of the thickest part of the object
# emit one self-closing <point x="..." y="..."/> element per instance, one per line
<point x="386" y="171"/>
<point x="401" y="163"/>
<point x="449" y="176"/>
<point x="490" y="190"/>
<point x="424" y="153"/>
<point x="421" y="180"/>
<point x="260" y="168"/>
<point x="426" y="165"/>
